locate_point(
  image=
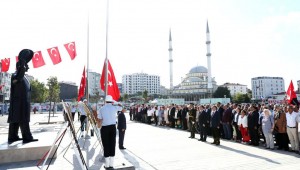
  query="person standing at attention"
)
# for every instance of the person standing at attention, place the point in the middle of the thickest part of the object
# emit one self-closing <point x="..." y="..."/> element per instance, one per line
<point x="121" y="127"/>
<point x="107" y="122"/>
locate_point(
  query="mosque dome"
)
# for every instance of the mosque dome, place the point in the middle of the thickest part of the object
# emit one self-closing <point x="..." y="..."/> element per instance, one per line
<point x="198" y="69"/>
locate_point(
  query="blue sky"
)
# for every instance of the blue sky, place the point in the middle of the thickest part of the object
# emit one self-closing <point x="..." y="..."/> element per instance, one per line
<point x="248" y="38"/>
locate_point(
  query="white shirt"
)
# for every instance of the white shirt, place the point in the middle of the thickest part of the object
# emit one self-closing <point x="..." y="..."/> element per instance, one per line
<point x="108" y="114"/>
<point x="291" y="119"/>
<point x="73" y="109"/>
<point x="81" y="109"/>
<point x="243" y="121"/>
<point x="150" y="112"/>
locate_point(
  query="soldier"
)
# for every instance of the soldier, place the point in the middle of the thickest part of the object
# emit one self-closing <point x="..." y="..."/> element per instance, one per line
<point x="192" y="120"/>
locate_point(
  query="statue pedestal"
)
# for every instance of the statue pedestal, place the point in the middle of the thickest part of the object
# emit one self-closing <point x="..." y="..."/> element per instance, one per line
<point x="18" y="152"/>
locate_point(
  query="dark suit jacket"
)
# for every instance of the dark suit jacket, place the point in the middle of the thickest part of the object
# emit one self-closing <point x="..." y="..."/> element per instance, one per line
<point x="203" y="118"/>
<point x="215" y="120"/>
<point x="253" y="119"/>
<point x="121" y="121"/>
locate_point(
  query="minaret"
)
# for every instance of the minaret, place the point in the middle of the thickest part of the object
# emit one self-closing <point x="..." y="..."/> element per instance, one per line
<point x="208" y="54"/>
<point x="171" y="61"/>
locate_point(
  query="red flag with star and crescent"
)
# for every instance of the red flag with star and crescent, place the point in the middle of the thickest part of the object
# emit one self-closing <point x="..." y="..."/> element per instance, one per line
<point x="5" y="64"/>
<point x="112" y="86"/>
<point x="82" y="85"/>
<point x="291" y="95"/>
<point x="70" y="47"/>
<point x="37" y="60"/>
<point x="54" y="55"/>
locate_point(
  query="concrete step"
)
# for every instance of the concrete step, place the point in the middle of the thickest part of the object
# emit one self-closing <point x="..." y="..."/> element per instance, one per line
<point x="19" y="152"/>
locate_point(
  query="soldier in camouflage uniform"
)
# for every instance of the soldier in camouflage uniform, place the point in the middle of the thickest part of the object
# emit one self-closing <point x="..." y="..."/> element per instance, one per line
<point x="192" y="120"/>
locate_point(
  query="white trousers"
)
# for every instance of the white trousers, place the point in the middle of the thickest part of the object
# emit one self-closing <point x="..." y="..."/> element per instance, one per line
<point x="292" y="133"/>
<point x="269" y="139"/>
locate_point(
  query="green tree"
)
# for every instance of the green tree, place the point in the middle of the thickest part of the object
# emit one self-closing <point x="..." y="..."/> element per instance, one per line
<point x="145" y="95"/>
<point x="221" y="92"/>
<point x="125" y="97"/>
<point x="241" y="98"/>
<point x="95" y="98"/>
<point x="39" y="91"/>
<point x="53" y="92"/>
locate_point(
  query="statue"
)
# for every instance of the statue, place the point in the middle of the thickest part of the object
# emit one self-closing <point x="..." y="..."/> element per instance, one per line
<point x="20" y="94"/>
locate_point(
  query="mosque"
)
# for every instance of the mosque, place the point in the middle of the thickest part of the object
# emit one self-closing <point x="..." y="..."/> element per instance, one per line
<point x="198" y="83"/>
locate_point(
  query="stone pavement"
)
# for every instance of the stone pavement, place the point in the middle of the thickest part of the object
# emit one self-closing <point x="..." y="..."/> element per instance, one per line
<point x="151" y="147"/>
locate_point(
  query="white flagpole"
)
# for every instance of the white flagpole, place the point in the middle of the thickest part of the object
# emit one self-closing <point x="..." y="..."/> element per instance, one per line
<point x="106" y="55"/>
<point x="87" y="51"/>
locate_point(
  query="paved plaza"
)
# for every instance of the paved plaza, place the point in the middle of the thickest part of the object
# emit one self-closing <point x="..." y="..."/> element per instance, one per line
<point x="154" y="147"/>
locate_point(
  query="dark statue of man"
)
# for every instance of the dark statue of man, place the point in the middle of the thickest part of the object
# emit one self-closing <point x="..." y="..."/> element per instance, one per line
<point x="20" y="94"/>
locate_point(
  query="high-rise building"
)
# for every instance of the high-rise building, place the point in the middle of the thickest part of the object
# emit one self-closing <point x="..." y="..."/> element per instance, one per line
<point x="94" y="83"/>
<point x="264" y="87"/>
<point x="139" y="82"/>
<point x="5" y="79"/>
<point x="235" y="88"/>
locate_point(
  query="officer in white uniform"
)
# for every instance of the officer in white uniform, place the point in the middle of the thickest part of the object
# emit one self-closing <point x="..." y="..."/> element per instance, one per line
<point x="107" y="122"/>
<point x="83" y="119"/>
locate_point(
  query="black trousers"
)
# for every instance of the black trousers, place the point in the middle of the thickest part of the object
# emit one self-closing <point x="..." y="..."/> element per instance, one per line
<point x="14" y="129"/>
<point x="108" y="137"/>
<point x="282" y="140"/>
<point x="254" y="136"/>
<point x="184" y="124"/>
<point x="83" y="121"/>
<point x="193" y="129"/>
<point x="216" y="134"/>
<point x="73" y="115"/>
<point x="203" y="132"/>
<point x="121" y="138"/>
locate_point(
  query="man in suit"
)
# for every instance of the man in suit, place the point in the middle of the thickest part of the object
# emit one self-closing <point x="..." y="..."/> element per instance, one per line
<point x="220" y="110"/>
<point x="215" y="125"/>
<point x="183" y="117"/>
<point x="226" y="122"/>
<point x="121" y="127"/>
<point x="172" y="116"/>
<point x="253" y="118"/>
<point x="203" y="121"/>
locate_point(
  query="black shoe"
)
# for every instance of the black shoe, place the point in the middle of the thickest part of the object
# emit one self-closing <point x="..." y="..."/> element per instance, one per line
<point x="191" y="137"/>
<point x="200" y="139"/>
<point x="10" y="141"/>
<point x="122" y="148"/>
<point x="218" y="143"/>
<point x="30" y="140"/>
<point x="279" y="148"/>
<point x="213" y="143"/>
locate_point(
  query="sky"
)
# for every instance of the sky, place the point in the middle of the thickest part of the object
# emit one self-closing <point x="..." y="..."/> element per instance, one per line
<point x="249" y="38"/>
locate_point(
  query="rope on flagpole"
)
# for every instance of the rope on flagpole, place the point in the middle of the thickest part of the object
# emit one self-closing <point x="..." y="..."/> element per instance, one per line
<point x="106" y="55"/>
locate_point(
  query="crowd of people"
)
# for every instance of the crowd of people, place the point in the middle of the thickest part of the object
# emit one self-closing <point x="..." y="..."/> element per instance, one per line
<point x="271" y="125"/>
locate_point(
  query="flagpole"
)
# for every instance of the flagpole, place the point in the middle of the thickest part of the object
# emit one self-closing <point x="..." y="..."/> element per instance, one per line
<point x="87" y="51"/>
<point x="106" y="55"/>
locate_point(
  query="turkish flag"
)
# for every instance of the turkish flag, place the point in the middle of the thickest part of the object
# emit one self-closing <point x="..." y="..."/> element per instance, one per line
<point x="5" y="64"/>
<point x="82" y="85"/>
<point x="291" y="95"/>
<point x="54" y="55"/>
<point x="70" y="47"/>
<point x="112" y="86"/>
<point x="37" y="60"/>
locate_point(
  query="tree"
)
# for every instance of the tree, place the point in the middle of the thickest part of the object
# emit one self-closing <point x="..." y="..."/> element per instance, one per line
<point x="222" y="92"/>
<point x="53" y="92"/>
<point x="95" y="98"/>
<point x="145" y="95"/>
<point x="125" y="97"/>
<point x="39" y="91"/>
<point x="241" y="98"/>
